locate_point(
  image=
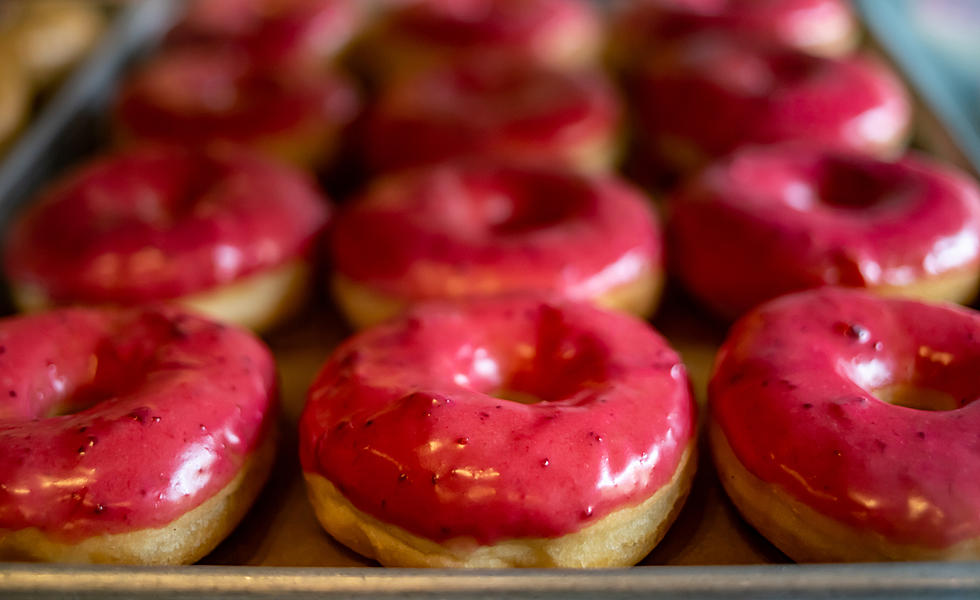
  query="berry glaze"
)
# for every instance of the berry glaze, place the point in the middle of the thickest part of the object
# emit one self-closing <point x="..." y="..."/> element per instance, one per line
<point x="768" y="221"/>
<point x="196" y="95"/>
<point x="159" y="223"/>
<point x="503" y="111"/>
<point x="472" y="230"/>
<point x="299" y="34"/>
<point x="794" y="392"/>
<point x="406" y="419"/>
<point x="760" y="94"/>
<point x="824" y="27"/>
<point x="115" y="421"/>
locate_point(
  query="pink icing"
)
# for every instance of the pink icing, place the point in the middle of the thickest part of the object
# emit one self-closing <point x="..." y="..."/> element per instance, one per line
<point x="156" y="412"/>
<point x="763" y="94"/>
<point x="770" y="221"/>
<point x="792" y="391"/>
<point x="796" y="24"/>
<point x="403" y="420"/>
<point x="160" y="223"/>
<point x="511" y="111"/>
<point x="470" y="230"/>
<point x="194" y="95"/>
<point x="274" y="33"/>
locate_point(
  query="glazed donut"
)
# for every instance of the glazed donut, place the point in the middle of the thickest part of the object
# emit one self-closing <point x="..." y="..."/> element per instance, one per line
<point x="759" y="94"/>
<point x="419" y="34"/>
<point x="15" y="97"/>
<point x="471" y="230"/>
<point x="277" y="34"/>
<point x="782" y="219"/>
<point x="49" y="36"/>
<point x="222" y="231"/>
<point x="503" y="111"/>
<point x="507" y="432"/>
<point x="196" y="95"/>
<point x="819" y="27"/>
<point x="129" y="435"/>
<point x="844" y="428"/>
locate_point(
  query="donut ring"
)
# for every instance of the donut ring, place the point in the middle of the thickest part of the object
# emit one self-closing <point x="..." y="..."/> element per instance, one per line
<point x="415" y="36"/>
<point x="129" y="436"/>
<point x="295" y="34"/>
<point x="414" y="457"/>
<point x="498" y="111"/>
<point x="198" y="95"/>
<point x="220" y="230"/>
<point x="760" y="94"/>
<point x="472" y="230"/>
<point x="49" y="36"/>
<point x="817" y="436"/>
<point x="789" y="218"/>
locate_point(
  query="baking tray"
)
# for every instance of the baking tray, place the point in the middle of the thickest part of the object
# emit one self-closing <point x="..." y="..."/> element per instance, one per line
<point x="280" y="551"/>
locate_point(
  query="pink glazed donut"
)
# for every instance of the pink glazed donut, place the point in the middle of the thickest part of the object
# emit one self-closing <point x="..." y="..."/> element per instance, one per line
<point x="278" y="34"/>
<point x="129" y="435"/>
<point x="197" y="95"/>
<point x="820" y="27"/>
<point x="508" y="432"/>
<point x="701" y="97"/>
<point x="475" y="230"/>
<point x="768" y="221"/>
<point x="498" y="111"/>
<point x="223" y="231"/>
<point x="419" y="34"/>
<point x="844" y="426"/>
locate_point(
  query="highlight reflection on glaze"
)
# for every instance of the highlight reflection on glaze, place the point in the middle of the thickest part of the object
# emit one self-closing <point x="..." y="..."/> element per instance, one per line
<point x="401" y="421"/>
<point x="112" y="422"/>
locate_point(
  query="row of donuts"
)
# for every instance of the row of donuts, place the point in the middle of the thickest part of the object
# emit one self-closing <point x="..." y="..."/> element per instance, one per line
<point x="503" y="203"/>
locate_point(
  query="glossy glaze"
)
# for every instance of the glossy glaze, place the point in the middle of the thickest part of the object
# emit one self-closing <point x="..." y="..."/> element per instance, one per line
<point x="702" y="96"/>
<point x="194" y="95"/>
<point x="460" y="230"/>
<point x="158" y="223"/>
<point x="275" y="33"/>
<point x="793" y="393"/>
<point x="156" y="412"/>
<point x="504" y="111"/>
<point x="404" y="421"/>
<point x="770" y="221"/>
<point x="819" y="26"/>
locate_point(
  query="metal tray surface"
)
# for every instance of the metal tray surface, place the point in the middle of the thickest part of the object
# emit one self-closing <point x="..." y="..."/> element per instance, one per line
<point x="280" y="542"/>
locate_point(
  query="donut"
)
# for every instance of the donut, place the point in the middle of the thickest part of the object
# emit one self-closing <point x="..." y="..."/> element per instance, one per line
<point x="48" y="37"/>
<point x="15" y="97"/>
<point x="136" y="435"/>
<point x="505" y="432"/>
<point x="768" y="221"/>
<point x="277" y="34"/>
<point x="844" y="429"/>
<point x="760" y="94"/>
<point x="493" y="110"/>
<point x="472" y="230"/>
<point x="195" y="95"/>
<point x="418" y="34"/>
<point x="220" y="230"/>
<point x="819" y="27"/>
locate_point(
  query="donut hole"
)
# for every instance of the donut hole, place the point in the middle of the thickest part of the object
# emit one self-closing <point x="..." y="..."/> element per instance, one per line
<point x="528" y="202"/>
<point x="564" y="363"/>
<point x="919" y="398"/>
<point x="853" y="183"/>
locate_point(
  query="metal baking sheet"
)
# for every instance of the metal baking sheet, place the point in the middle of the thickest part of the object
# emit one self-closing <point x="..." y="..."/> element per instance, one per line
<point x="280" y="551"/>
